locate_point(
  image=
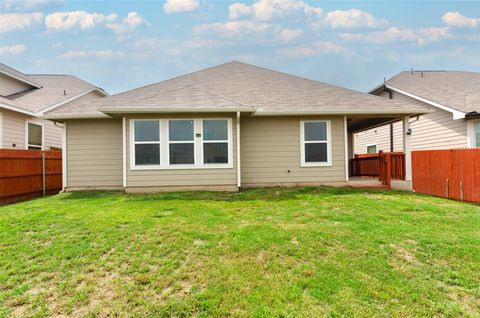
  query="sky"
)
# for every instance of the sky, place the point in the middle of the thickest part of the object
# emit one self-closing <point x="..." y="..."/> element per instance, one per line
<point x="120" y="45"/>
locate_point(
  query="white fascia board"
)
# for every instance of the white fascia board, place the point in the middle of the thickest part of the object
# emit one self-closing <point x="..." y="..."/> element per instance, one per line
<point x="456" y="113"/>
<point x="373" y="113"/>
<point x="17" y="109"/>
<point x="134" y="110"/>
<point x="74" y="116"/>
<point x="63" y="102"/>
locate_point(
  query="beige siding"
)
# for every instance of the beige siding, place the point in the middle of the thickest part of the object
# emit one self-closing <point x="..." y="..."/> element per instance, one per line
<point x="183" y="177"/>
<point x="94" y="153"/>
<point x="435" y="130"/>
<point x="14" y="130"/>
<point x="270" y="151"/>
<point x="9" y="86"/>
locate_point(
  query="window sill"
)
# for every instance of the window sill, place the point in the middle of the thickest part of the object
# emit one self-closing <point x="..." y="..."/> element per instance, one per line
<point x="182" y="167"/>
<point x="315" y="164"/>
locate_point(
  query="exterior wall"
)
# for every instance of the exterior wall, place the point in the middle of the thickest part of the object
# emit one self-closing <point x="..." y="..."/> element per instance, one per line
<point x="13" y="128"/>
<point x="435" y="130"/>
<point x="183" y="177"/>
<point x="270" y="146"/>
<point x="9" y="86"/>
<point x="94" y="153"/>
<point x="270" y="152"/>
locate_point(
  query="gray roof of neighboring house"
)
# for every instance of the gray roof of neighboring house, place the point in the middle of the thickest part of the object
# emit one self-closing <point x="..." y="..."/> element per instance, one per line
<point x="7" y="70"/>
<point x="455" y="89"/>
<point x="54" y="89"/>
<point x="242" y="87"/>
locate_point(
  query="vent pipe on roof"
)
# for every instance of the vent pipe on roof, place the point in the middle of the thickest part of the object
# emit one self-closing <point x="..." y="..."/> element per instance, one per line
<point x="64" y="93"/>
<point x="421" y="73"/>
<point x="411" y="71"/>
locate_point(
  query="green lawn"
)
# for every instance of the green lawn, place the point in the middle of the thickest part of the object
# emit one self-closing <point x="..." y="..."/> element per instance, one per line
<point x="265" y="253"/>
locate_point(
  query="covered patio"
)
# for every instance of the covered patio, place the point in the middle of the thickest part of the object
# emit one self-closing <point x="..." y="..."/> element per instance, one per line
<point x="383" y="169"/>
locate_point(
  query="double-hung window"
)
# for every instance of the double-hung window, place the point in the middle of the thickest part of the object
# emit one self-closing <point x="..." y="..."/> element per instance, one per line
<point x="215" y="141"/>
<point x="315" y="143"/>
<point x="34" y="136"/>
<point x="372" y="148"/>
<point x="146" y="142"/>
<point x="181" y="142"/>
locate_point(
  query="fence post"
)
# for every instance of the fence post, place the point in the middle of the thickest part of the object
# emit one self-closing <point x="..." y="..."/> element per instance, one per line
<point x="388" y="171"/>
<point x="43" y="173"/>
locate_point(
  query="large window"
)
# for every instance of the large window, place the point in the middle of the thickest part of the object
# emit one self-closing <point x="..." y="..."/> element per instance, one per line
<point x="315" y="143"/>
<point x="181" y="143"/>
<point x="215" y="141"/>
<point x="34" y="136"/>
<point x="147" y="142"/>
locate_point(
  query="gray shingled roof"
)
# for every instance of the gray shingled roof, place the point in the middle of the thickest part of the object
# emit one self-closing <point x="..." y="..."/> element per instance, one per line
<point x="54" y="89"/>
<point x="5" y="69"/>
<point x="246" y="87"/>
<point x="455" y="89"/>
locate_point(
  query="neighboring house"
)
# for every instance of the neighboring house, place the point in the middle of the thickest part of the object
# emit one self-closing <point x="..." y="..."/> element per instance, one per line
<point x="454" y="98"/>
<point x="24" y="98"/>
<point x="230" y="126"/>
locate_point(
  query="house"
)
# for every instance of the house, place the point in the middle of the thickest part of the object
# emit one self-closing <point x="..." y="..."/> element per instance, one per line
<point x="25" y="98"/>
<point x="229" y="126"/>
<point x="453" y="97"/>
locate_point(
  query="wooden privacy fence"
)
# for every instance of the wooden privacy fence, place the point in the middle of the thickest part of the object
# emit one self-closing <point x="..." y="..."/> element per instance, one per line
<point x="453" y="174"/>
<point x="375" y="165"/>
<point x="29" y="173"/>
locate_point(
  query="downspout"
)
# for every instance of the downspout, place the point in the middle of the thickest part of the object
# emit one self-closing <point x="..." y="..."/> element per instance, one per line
<point x="124" y="152"/>
<point x="64" y="157"/>
<point x="239" y="178"/>
<point x="390" y="96"/>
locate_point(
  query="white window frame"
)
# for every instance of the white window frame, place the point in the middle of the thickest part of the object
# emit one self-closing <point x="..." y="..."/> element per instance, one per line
<point x="133" y="142"/>
<point x="165" y="145"/>
<point x="370" y="145"/>
<point x="193" y="141"/>
<point x="228" y="140"/>
<point x="42" y="147"/>
<point x="471" y="133"/>
<point x="327" y="163"/>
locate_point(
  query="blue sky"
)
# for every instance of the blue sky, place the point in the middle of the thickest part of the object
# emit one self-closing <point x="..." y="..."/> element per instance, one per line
<point x="119" y="45"/>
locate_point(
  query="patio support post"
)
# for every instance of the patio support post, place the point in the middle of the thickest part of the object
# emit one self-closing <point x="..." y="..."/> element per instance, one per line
<point x="239" y="177"/>
<point x="406" y="148"/>
<point x="64" y="157"/>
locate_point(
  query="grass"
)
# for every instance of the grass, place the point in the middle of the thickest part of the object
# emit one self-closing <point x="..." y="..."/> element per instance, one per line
<point x="264" y="253"/>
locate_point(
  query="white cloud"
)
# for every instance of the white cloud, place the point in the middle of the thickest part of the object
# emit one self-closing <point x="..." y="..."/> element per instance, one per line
<point x="62" y="21"/>
<point x="394" y="34"/>
<point x="265" y="10"/>
<point x="100" y="54"/>
<point x="128" y="24"/>
<point x="455" y="19"/>
<point x="349" y="19"/>
<point x="236" y="29"/>
<point x="317" y="48"/>
<point x="13" y="49"/>
<point x="19" y="21"/>
<point x="289" y="35"/>
<point x="176" y="6"/>
<point x="57" y="45"/>
<point x="27" y="5"/>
